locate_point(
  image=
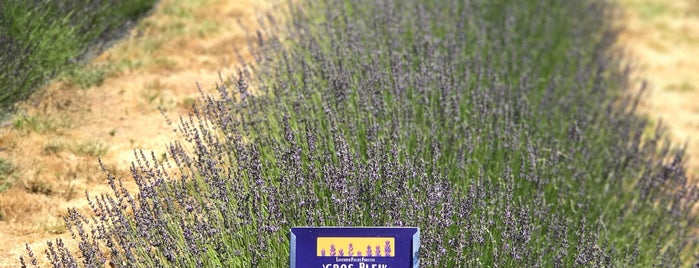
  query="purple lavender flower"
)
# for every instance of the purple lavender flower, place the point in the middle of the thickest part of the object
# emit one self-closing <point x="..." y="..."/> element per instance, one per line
<point x="359" y="161"/>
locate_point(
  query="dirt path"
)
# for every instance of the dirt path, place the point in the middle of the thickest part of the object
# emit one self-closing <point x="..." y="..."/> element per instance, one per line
<point x="111" y="108"/>
<point x="662" y="37"/>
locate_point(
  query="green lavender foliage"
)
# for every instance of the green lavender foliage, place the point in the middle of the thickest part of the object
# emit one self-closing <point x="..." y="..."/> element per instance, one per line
<point x="40" y="38"/>
<point x="501" y="128"/>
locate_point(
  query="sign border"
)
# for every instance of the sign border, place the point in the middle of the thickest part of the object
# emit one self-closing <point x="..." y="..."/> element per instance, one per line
<point x="415" y="240"/>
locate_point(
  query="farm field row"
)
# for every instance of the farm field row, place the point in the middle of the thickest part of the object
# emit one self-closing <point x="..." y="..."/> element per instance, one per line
<point x="505" y="136"/>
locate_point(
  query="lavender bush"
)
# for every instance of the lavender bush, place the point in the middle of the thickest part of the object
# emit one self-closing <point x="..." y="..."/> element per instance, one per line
<point x="500" y="128"/>
<point x="39" y="39"/>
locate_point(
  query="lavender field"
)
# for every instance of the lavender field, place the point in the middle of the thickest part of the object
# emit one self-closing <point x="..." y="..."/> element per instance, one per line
<point x="501" y="128"/>
<point x="42" y="39"/>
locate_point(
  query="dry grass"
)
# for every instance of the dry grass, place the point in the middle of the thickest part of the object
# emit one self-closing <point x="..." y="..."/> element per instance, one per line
<point x="662" y="38"/>
<point x="110" y="108"/>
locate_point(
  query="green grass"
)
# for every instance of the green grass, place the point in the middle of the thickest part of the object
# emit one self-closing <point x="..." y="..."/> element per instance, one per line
<point x="40" y="124"/>
<point x="7" y="173"/>
<point x="683" y="87"/>
<point x="651" y="10"/>
<point x="87" y="77"/>
<point x="90" y="148"/>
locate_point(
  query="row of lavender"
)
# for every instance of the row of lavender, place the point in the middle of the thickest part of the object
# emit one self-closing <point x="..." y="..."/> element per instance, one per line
<point x="501" y="128"/>
<point x="40" y="39"/>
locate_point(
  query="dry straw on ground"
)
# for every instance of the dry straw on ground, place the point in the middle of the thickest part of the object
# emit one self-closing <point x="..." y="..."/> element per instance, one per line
<point x="662" y="39"/>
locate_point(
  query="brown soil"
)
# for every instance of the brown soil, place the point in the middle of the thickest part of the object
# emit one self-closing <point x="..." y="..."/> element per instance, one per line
<point x="662" y="38"/>
<point x="57" y="137"/>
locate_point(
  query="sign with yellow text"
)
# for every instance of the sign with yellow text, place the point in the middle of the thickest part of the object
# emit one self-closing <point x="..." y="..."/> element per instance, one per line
<point x="355" y="247"/>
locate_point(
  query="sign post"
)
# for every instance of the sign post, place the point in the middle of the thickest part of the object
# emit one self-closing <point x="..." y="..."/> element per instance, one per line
<point x="354" y="247"/>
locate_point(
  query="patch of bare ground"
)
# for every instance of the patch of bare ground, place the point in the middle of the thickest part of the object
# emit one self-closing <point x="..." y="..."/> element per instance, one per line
<point x="110" y="108"/>
<point x="662" y="38"/>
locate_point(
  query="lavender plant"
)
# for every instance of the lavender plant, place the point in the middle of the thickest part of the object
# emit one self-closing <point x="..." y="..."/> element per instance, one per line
<point x="500" y="128"/>
<point x="39" y="39"/>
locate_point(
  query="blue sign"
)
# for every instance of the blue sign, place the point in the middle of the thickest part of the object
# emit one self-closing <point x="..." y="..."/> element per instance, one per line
<point x="355" y="247"/>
